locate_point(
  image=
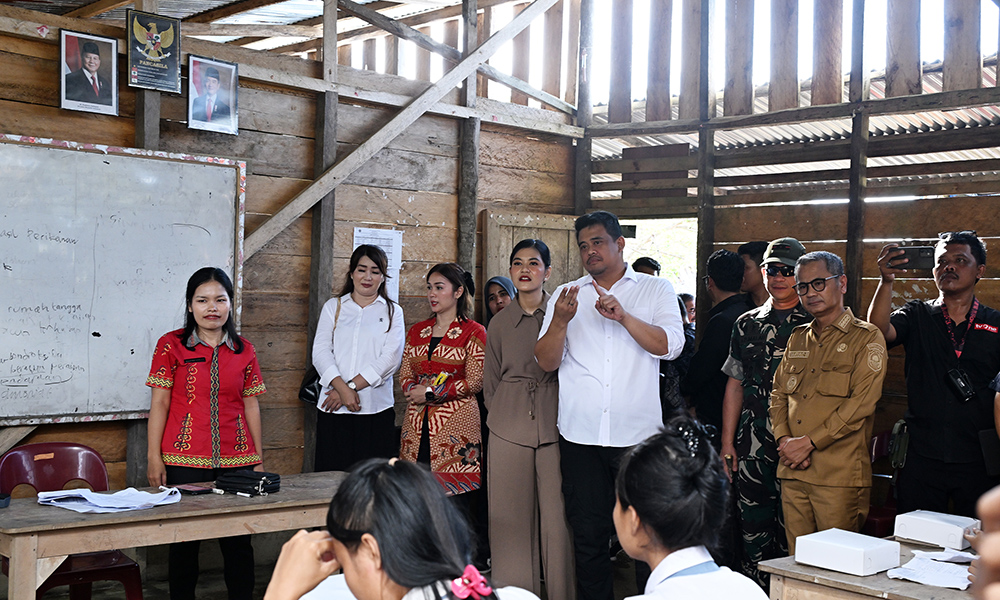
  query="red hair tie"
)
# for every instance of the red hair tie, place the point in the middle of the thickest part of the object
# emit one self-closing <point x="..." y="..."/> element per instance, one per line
<point x="471" y="583"/>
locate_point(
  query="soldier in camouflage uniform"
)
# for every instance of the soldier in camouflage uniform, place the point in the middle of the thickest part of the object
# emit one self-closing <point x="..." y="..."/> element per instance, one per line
<point x="748" y="448"/>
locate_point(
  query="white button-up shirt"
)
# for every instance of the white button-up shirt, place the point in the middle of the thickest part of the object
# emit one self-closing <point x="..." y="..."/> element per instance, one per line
<point x="667" y="582"/>
<point x="363" y="343"/>
<point x="609" y="390"/>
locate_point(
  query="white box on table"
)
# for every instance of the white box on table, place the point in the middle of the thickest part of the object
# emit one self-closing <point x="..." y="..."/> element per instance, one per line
<point x="847" y="552"/>
<point x="938" y="529"/>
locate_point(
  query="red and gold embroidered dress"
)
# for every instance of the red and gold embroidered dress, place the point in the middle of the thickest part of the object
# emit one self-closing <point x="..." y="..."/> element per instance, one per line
<point x="453" y="420"/>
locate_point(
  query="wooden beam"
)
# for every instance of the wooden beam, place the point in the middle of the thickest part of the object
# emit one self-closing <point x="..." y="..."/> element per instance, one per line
<point x="468" y="193"/>
<point x="522" y="60"/>
<point x="620" y="94"/>
<point x="440" y="14"/>
<point x="251" y="29"/>
<point x="391" y="55"/>
<point x="13" y="435"/>
<point x="963" y="63"/>
<point x="584" y="113"/>
<point x="687" y="101"/>
<point x="859" y="84"/>
<point x="470" y="29"/>
<point x="96" y="8"/>
<point x="658" y="73"/>
<point x="345" y="55"/>
<point x="229" y="10"/>
<point x="552" y="67"/>
<point x="321" y="271"/>
<point x="738" y="96"/>
<point x="356" y="159"/>
<point x="423" y="57"/>
<point x="572" y="51"/>
<point x="856" y="193"/>
<point x="783" y="90"/>
<point x="706" y="97"/>
<point x="903" y="70"/>
<point x="828" y="35"/>
<point x="876" y="107"/>
<point x="484" y="27"/>
<point x="706" y="212"/>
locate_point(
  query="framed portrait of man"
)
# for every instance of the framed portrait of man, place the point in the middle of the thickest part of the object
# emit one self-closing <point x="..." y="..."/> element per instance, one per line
<point x="89" y="74"/>
<point x="212" y="95"/>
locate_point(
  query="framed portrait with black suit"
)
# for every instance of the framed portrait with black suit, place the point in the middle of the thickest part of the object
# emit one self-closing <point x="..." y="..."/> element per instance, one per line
<point x="212" y="95"/>
<point x="89" y="74"/>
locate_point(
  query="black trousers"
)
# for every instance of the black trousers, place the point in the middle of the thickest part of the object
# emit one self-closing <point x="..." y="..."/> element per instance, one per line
<point x="237" y="551"/>
<point x="588" y="474"/>
<point x="929" y="484"/>
<point x="343" y="440"/>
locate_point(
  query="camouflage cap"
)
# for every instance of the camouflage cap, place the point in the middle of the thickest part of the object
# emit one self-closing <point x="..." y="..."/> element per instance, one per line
<point x="784" y="250"/>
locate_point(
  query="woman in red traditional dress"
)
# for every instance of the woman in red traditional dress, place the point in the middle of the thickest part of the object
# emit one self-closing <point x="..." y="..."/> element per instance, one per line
<point x="441" y="373"/>
<point x="204" y="419"/>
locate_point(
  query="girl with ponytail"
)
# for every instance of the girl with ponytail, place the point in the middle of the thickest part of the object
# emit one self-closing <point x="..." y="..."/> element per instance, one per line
<point x="395" y="535"/>
<point x="441" y="373"/>
<point x="672" y="499"/>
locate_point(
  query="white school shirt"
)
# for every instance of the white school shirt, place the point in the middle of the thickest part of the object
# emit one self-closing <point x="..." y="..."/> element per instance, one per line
<point x="722" y="584"/>
<point x="609" y="387"/>
<point x="363" y="343"/>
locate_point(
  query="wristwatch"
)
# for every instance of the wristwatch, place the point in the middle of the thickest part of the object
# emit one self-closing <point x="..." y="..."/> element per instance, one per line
<point x="352" y="385"/>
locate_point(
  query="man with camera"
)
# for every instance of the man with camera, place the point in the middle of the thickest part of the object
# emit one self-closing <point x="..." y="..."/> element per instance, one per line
<point x="952" y="353"/>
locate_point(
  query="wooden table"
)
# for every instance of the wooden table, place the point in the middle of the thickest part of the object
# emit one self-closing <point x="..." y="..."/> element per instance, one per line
<point x="38" y="538"/>
<point x="793" y="581"/>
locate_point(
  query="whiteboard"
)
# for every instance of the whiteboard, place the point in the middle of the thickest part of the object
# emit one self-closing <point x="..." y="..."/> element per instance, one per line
<point x="96" y="246"/>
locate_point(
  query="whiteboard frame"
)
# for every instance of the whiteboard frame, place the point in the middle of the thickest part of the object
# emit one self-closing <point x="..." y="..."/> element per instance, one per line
<point x="240" y="166"/>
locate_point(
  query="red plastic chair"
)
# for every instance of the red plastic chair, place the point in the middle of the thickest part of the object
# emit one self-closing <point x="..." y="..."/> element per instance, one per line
<point x="48" y="467"/>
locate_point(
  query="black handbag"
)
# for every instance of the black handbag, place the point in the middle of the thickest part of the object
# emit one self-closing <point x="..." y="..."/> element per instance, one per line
<point x="246" y="481"/>
<point x="311" y="386"/>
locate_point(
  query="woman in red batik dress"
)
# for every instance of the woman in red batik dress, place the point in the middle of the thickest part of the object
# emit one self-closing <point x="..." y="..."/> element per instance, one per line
<point x="441" y="373"/>
<point x="204" y="419"/>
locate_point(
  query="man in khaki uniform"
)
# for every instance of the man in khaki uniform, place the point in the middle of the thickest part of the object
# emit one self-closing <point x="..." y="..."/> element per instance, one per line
<point x="822" y="405"/>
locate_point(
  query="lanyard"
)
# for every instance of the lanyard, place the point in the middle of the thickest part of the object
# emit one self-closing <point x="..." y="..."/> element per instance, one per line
<point x="958" y="345"/>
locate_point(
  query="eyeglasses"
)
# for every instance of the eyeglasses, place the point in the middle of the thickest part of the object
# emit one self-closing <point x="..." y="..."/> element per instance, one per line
<point x="818" y="284"/>
<point x="785" y="270"/>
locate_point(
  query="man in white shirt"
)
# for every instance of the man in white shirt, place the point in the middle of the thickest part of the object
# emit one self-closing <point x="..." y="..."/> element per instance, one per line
<point x="606" y="333"/>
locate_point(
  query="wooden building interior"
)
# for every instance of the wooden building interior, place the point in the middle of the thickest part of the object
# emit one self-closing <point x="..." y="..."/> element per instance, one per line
<point x="842" y="160"/>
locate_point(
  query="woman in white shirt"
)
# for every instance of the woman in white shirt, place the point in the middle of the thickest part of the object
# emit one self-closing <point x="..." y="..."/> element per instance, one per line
<point x="395" y="535"/>
<point x="672" y="499"/>
<point x="357" y="348"/>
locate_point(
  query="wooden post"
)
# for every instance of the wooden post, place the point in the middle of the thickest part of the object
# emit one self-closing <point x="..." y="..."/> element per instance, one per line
<point x="552" y="67"/>
<point x="522" y="59"/>
<point x="620" y="95"/>
<point x="323" y="213"/>
<point x="391" y="55"/>
<point x="738" y="96"/>
<point x="484" y="27"/>
<point x="424" y="59"/>
<point x="344" y="55"/>
<point x="468" y="168"/>
<point x="828" y="34"/>
<point x="147" y="106"/>
<point x="658" y="73"/>
<point x="706" y="156"/>
<point x="451" y="33"/>
<point x="963" y="63"/>
<point x="688" y="103"/>
<point x="584" y="109"/>
<point x="572" y="51"/>
<point x="858" y="177"/>
<point x="783" y="91"/>
<point x="903" y="70"/>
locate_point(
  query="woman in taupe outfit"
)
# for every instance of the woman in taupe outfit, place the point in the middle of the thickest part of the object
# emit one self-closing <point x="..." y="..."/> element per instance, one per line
<point x="527" y="520"/>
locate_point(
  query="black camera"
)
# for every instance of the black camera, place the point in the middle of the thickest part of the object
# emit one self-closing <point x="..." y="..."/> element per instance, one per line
<point x="961" y="385"/>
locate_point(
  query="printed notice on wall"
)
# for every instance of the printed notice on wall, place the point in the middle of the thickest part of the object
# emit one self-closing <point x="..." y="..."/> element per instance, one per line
<point x="391" y="242"/>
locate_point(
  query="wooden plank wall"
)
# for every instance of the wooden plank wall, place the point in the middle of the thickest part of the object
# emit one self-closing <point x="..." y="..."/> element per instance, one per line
<point x="411" y="185"/>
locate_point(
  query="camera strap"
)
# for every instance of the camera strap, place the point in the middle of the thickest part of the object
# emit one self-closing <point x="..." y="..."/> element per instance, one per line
<point x="959" y="344"/>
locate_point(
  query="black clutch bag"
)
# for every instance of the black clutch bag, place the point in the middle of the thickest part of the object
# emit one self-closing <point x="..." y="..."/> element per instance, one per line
<point x="245" y="481"/>
<point x="310" y="387"/>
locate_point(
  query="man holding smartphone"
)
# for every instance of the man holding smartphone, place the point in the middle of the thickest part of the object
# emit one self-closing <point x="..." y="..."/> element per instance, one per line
<point x="952" y="353"/>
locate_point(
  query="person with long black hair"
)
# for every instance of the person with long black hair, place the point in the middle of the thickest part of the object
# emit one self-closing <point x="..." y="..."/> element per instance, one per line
<point x="357" y="348"/>
<point x="671" y="504"/>
<point x="395" y="535"/>
<point x="204" y="419"/>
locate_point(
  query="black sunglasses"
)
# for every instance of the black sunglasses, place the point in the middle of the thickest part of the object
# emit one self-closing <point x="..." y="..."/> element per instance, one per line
<point x="784" y="270"/>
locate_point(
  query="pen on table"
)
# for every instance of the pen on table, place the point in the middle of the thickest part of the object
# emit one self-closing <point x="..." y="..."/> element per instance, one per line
<point x="244" y="494"/>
